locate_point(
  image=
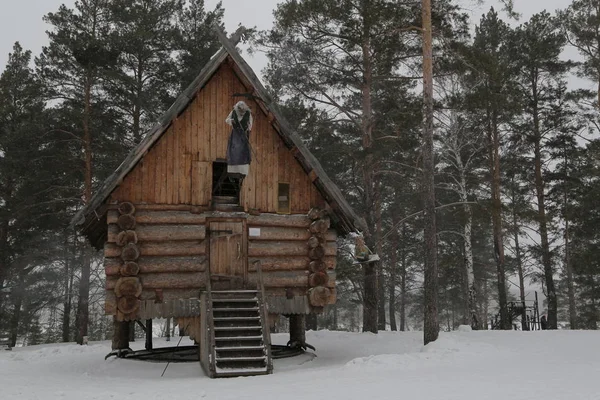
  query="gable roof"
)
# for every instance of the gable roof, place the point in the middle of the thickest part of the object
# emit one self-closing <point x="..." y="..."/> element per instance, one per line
<point x="93" y="215"/>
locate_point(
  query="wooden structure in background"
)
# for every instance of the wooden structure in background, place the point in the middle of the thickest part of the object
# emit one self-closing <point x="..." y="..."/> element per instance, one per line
<point x="164" y="232"/>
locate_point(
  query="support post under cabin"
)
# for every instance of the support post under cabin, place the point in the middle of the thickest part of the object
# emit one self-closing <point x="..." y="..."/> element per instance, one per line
<point x="120" y="338"/>
<point x="148" y="334"/>
<point x="297" y="329"/>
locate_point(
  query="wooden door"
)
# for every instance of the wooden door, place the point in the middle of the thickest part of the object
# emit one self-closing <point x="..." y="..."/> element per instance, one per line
<point x="228" y="252"/>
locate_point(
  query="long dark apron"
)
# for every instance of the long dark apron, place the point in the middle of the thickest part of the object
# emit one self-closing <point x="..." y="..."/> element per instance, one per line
<point x="238" y="147"/>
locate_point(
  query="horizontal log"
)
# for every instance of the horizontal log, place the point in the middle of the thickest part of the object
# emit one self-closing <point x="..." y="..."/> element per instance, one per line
<point x="171" y="294"/>
<point x="287" y="263"/>
<point x="281" y="279"/>
<point x="283" y="249"/>
<point x="170" y="308"/>
<point x="295" y="220"/>
<point x="160" y="233"/>
<point x="172" y="280"/>
<point x="110" y="303"/>
<point x="151" y="295"/>
<point x="159" y="264"/>
<point x="161" y="217"/>
<point x="288" y="233"/>
<point x="175" y="248"/>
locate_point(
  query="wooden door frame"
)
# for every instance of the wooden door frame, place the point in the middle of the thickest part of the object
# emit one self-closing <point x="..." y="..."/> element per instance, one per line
<point x="243" y="221"/>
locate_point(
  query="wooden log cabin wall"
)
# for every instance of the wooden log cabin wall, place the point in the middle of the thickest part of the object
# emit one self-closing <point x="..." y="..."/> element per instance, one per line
<point x="161" y="227"/>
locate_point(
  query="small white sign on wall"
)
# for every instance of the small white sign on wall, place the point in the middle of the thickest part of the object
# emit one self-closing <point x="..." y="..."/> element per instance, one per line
<point x="254" y="232"/>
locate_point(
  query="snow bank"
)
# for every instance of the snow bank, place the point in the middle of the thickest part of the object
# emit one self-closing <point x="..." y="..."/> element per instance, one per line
<point x="460" y="365"/>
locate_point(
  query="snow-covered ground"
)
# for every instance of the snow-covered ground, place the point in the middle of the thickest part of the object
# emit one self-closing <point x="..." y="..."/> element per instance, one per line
<point x="460" y="365"/>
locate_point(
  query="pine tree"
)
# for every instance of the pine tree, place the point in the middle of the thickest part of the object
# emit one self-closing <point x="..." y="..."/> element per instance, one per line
<point x="541" y="73"/>
<point x="363" y="44"/>
<point x="196" y="40"/>
<point x="73" y="65"/>
<point x="581" y="26"/>
<point x="145" y="79"/>
<point x="489" y="99"/>
<point x="21" y="111"/>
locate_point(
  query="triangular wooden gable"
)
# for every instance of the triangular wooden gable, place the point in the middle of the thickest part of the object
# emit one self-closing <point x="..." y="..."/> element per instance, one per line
<point x="180" y="141"/>
<point x="177" y="168"/>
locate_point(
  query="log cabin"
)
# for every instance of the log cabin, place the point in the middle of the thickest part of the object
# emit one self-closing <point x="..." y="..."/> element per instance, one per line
<point x="222" y="260"/>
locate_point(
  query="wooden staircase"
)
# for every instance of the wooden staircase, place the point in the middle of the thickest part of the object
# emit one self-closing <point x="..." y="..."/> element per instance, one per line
<point x="235" y="336"/>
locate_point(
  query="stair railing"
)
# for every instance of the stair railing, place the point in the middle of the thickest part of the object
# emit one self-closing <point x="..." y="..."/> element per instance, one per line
<point x="264" y="315"/>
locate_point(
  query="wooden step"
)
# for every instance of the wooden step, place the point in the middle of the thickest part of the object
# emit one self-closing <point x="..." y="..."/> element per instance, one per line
<point x="235" y="300"/>
<point x="240" y="338"/>
<point x="263" y="358"/>
<point x="234" y="309"/>
<point x="238" y="328"/>
<point x="238" y="364"/>
<point x="227" y="372"/>
<point x="235" y="319"/>
<point x="240" y="348"/>
<point x="233" y="291"/>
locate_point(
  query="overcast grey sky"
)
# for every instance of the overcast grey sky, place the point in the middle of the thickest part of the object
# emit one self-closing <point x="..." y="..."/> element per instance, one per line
<point x="21" y="20"/>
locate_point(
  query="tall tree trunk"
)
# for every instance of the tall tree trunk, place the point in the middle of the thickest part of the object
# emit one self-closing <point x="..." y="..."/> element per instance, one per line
<point x="335" y="316"/>
<point x="486" y="303"/>
<point x="3" y="263"/>
<point x="381" y="325"/>
<point x="518" y="258"/>
<point x="403" y="274"/>
<point x="66" y="319"/>
<point x="393" y="272"/>
<point x="471" y="294"/>
<point x="431" y="324"/>
<point x="137" y="105"/>
<point x="568" y="267"/>
<point x="15" y="319"/>
<point x="370" y="307"/>
<point x="543" y="223"/>
<point x="494" y="139"/>
<point x="84" y="281"/>
<point x="311" y="322"/>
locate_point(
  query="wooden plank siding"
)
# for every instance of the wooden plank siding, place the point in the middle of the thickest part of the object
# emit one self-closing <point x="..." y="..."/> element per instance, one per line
<point x="178" y="168"/>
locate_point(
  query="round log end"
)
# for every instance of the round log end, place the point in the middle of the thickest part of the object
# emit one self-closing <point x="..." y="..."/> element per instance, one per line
<point x="313" y="242"/>
<point x="319" y="296"/>
<point x="130" y="268"/>
<point x="318" y="279"/>
<point x="126" y="208"/>
<point x="317" y="266"/>
<point x="128" y="304"/>
<point x="315" y="213"/>
<point x="126" y="237"/>
<point x="130" y="252"/>
<point x="128" y="286"/>
<point x="126" y="222"/>
<point x="317" y="253"/>
<point x="320" y="226"/>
